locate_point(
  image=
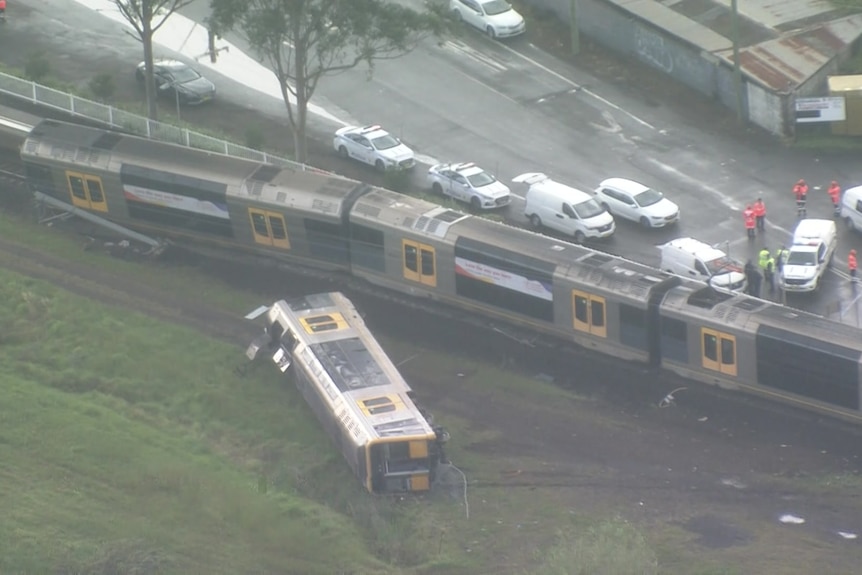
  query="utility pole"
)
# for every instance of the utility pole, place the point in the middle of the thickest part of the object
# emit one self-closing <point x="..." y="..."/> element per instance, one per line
<point x="573" y="24"/>
<point x="737" y="72"/>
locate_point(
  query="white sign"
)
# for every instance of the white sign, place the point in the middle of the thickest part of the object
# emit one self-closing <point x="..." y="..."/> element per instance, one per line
<point x="820" y="110"/>
<point x="503" y="278"/>
<point x="176" y="202"/>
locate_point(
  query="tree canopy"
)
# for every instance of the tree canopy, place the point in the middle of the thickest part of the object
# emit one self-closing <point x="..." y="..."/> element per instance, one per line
<point x="146" y="17"/>
<point x="301" y="41"/>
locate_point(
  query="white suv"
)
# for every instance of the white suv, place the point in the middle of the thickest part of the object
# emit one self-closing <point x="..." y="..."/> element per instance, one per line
<point x="374" y="146"/>
<point x="813" y="247"/>
<point x="469" y="183"/>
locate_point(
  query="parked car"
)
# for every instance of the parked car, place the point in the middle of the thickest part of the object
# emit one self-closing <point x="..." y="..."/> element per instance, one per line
<point x="179" y="80"/>
<point x="564" y="209"/>
<point x="813" y="248"/>
<point x="496" y="18"/>
<point x="637" y="202"/>
<point x="469" y="183"/>
<point x="374" y="146"/>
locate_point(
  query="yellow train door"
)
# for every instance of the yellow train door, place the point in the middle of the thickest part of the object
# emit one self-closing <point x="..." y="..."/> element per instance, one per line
<point x="268" y="228"/>
<point x="86" y="191"/>
<point x="419" y="262"/>
<point x="588" y="313"/>
<point x="718" y="351"/>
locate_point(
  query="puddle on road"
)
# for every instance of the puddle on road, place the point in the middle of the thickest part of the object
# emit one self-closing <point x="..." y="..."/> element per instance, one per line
<point x="716" y="533"/>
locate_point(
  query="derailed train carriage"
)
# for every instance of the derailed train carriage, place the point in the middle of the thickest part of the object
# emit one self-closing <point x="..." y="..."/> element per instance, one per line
<point x="354" y="389"/>
<point x="415" y="247"/>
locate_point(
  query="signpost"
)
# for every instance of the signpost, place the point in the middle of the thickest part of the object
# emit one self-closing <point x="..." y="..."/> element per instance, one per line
<point x="829" y="109"/>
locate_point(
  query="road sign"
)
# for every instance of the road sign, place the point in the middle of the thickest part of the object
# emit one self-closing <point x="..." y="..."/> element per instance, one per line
<point x="820" y="110"/>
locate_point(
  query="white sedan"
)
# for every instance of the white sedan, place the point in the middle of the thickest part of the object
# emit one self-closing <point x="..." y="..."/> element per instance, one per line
<point x="496" y="18"/>
<point x="374" y="146"/>
<point x="469" y="183"/>
<point x="636" y="202"/>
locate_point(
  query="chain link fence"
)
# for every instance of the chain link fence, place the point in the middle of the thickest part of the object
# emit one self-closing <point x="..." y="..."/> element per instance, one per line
<point x="133" y="123"/>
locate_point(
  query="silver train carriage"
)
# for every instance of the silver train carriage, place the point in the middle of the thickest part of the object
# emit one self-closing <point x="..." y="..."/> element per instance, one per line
<point x="419" y="248"/>
<point x="355" y="391"/>
<point x="214" y="201"/>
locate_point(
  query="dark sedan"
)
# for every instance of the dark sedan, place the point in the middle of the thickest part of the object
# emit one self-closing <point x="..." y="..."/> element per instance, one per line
<point x="179" y="80"/>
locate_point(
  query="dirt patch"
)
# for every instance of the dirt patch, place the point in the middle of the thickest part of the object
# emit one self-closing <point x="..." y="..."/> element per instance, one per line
<point x="716" y="533"/>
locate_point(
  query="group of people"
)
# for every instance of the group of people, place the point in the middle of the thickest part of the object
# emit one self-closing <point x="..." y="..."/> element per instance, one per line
<point x="754" y="215"/>
<point x="768" y="266"/>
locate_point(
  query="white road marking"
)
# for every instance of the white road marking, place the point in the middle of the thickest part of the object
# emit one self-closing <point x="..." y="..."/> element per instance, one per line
<point x="483" y="84"/>
<point x="695" y="183"/>
<point x="577" y="86"/>
<point x="476" y="55"/>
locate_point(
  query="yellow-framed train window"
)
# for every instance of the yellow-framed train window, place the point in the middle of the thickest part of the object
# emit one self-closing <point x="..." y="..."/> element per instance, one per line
<point x="326" y="322"/>
<point x="718" y="351"/>
<point x="268" y="228"/>
<point x="86" y="191"/>
<point x="419" y="262"/>
<point x="588" y="313"/>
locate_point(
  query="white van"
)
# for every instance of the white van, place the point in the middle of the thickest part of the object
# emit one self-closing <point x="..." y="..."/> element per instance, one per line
<point x="564" y="209"/>
<point x="851" y="208"/>
<point x="691" y="258"/>
<point x="813" y="247"/>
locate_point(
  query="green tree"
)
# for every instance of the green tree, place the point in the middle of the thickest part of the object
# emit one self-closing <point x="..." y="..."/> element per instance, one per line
<point x="146" y="17"/>
<point x="301" y="41"/>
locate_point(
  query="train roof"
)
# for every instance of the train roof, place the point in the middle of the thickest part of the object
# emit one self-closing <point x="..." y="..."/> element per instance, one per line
<point x="350" y="365"/>
<point x="83" y="144"/>
<point x="398" y="210"/>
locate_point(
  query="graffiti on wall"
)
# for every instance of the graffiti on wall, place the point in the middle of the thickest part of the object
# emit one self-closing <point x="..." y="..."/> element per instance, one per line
<point x="651" y="48"/>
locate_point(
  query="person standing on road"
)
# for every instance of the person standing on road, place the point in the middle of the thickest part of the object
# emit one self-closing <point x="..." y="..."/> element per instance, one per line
<point x="767" y="266"/>
<point x="835" y="196"/>
<point x="752" y="278"/>
<point x="780" y="257"/>
<point x="800" y="190"/>
<point x="760" y="214"/>
<point x="748" y="216"/>
<point x="851" y="263"/>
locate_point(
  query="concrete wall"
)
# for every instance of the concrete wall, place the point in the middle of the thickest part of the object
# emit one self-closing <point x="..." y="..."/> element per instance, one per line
<point x="619" y="30"/>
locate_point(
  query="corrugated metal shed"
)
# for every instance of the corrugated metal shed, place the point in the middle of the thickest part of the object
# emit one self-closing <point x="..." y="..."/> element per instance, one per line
<point x="787" y="62"/>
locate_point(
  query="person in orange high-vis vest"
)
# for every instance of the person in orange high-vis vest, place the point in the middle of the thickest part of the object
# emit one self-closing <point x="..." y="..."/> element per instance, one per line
<point x="748" y="216"/>
<point x="835" y="196"/>
<point x="760" y="214"/>
<point x="851" y="263"/>
<point x="800" y="190"/>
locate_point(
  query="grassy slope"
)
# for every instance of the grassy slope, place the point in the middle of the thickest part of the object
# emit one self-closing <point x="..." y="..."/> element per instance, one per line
<point x="130" y="442"/>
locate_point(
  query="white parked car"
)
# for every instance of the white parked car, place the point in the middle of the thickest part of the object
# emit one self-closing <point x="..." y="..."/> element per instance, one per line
<point x="374" y="146"/>
<point x="496" y="18"/>
<point x="636" y="202"/>
<point x="469" y="183"/>
<point x="814" y="243"/>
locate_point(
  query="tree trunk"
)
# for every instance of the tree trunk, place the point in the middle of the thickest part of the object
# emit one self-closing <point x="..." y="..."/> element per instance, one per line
<point x="149" y="77"/>
<point x="301" y="117"/>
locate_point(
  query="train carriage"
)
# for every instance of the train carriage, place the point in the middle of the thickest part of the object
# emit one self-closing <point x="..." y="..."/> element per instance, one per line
<point x="355" y="391"/>
<point x="211" y="200"/>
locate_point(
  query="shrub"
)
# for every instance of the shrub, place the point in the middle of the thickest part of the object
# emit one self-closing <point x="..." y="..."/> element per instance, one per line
<point x="37" y="67"/>
<point x="103" y="87"/>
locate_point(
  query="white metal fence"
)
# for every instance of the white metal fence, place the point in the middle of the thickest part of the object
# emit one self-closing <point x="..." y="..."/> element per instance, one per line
<point x="115" y="118"/>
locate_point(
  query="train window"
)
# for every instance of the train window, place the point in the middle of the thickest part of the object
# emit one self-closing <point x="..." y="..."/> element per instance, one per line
<point x="76" y="185"/>
<point x="410" y="258"/>
<point x="95" y="189"/>
<point x="633" y="330"/>
<point x="674" y="339"/>
<point x="427" y="263"/>
<point x="268" y="228"/>
<point x="718" y="351"/>
<point x="588" y="313"/>
<point x="419" y="263"/>
<point x="258" y="222"/>
<point x="366" y="248"/>
<point x="327" y="322"/>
